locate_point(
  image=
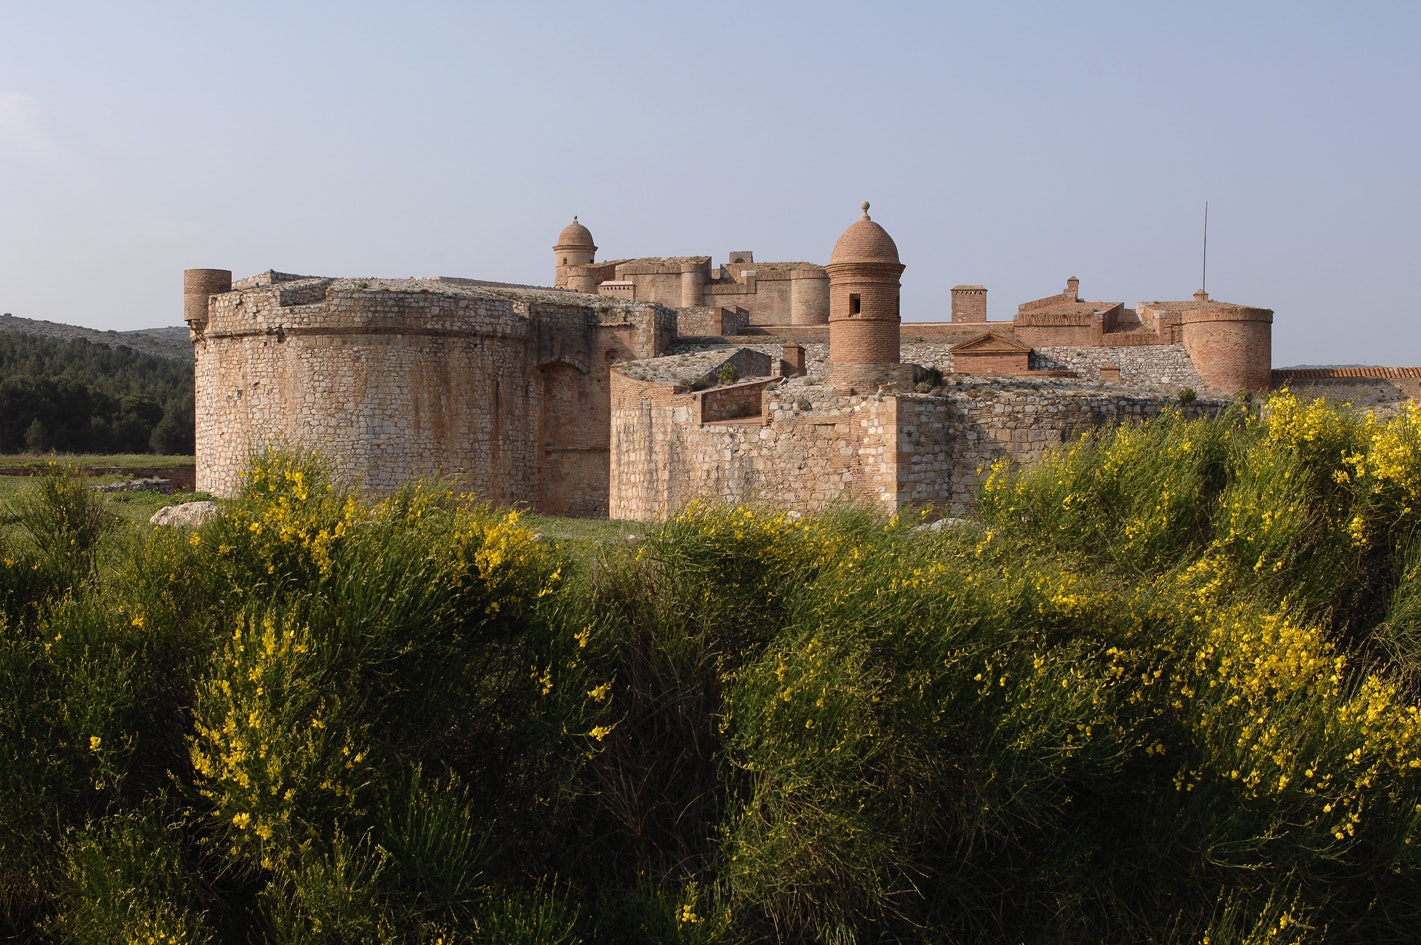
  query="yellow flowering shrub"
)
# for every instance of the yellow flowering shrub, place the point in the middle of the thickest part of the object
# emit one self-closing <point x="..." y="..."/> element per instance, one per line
<point x="127" y="878"/>
<point x="1274" y="708"/>
<point x="1318" y="433"/>
<point x="288" y="520"/>
<point x="271" y="750"/>
<point x="1134" y="494"/>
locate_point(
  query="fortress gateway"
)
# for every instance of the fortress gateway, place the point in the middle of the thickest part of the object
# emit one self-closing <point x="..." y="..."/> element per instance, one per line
<point x="630" y="387"/>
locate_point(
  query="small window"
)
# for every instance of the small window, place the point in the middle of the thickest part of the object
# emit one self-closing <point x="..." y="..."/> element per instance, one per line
<point x="855" y="306"/>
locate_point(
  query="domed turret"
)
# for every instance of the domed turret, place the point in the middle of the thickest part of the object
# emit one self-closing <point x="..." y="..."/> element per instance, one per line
<point x="573" y="251"/>
<point x="864" y="316"/>
<point x="576" y="236"/>
<point x="865" y="242"/>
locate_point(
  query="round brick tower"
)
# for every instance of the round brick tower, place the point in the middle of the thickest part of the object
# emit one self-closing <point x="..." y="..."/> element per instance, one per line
<point x="1231" y="345"/>
<point x="863" y="308"/>
<point x="808" y="297"/>
<point x="198" y="284"/>
<point x="573" y="252"/>
<point x="694" y="274"/>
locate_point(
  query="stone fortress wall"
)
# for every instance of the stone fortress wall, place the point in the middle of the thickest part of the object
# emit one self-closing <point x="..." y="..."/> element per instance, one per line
<point x="773" y="293"/>
<point x="861" y="425"/>
<point x="503" y="391"/>
<point x="632" y="386"/>
<point x="794" y="441"/>
<point x="805" y="447"/>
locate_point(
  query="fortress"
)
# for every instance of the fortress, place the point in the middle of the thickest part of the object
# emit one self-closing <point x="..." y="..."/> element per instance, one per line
<point x="633" y="386"/>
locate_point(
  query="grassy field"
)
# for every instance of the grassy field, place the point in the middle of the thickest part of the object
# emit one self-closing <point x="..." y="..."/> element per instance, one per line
<point x="83" y="460"/>
<point x="131" y="506"/>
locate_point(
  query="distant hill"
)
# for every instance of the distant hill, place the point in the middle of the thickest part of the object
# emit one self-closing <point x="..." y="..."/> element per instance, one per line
<point x="169" y="343"/>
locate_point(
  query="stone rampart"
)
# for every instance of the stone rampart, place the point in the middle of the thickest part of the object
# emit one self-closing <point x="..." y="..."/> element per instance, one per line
<point x="503" y="392"/>
<point x="764" y="296"/>
<point x="393" y="385"/>
<point x="810" y="447"/>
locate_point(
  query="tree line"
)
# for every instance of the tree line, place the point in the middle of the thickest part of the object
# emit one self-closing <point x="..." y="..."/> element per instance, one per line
<point x="73" y="396"/>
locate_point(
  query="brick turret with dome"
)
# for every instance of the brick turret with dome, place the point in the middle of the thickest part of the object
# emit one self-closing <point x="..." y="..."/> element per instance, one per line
<point x="864" y="317"/>
<point x="574" y="251"/>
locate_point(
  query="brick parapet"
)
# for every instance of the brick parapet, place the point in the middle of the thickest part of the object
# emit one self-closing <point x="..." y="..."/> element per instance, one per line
<point x="743" y="401"/>
<point x="1230" y="345"/>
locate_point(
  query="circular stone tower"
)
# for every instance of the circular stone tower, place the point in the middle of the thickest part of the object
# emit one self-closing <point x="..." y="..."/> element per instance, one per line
<point x="572" y="254"/>
<point x="198" y="284"/>
<point x="864" y="318"/>
<point x="1231" y="345"/>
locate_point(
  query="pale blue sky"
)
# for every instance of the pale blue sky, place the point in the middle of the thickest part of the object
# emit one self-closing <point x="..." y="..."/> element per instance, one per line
<point x="1008" y="144"/>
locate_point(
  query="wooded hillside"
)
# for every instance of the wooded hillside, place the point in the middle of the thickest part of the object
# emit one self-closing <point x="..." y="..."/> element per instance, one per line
<point x="76" y="396"/>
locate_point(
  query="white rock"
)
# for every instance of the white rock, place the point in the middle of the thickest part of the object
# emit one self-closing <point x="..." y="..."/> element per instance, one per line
<point x="188" y="514"/>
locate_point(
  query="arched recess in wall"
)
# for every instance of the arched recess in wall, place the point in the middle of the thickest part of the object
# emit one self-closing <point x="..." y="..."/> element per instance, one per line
<point x="573" y="432"/>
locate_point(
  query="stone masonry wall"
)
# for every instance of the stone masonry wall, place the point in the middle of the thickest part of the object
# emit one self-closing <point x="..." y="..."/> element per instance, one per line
<point x="946" y="443"/>
<point x="711" y="322"/>
<point x="807" y="454"/>
<point x="393" y="385"/>
<point x="1142" y="366"/>
<point x="811" y="448"/>
<point x="734" y="402"/>
<point x="504" y="392"/>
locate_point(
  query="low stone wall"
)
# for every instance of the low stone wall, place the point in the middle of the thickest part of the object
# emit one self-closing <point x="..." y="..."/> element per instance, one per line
<point x="1161" y="367"/>
<point x="812" y="447"/>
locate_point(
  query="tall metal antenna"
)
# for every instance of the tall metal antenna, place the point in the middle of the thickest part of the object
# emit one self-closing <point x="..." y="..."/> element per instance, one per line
<point x="1204" y="277"/>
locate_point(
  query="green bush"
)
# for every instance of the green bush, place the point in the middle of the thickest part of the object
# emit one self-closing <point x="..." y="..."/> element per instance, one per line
<point x="63" y="521"/>
<point x="128" y="878"/>
<point x="1163" y="689"/>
